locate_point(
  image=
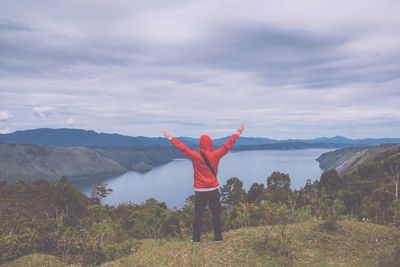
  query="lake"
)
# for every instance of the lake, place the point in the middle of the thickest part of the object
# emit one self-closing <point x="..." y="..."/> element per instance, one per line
<point x="172" y="183"/>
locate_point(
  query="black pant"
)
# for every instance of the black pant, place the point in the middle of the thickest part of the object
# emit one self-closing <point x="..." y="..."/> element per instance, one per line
<point x="200" y="202"/>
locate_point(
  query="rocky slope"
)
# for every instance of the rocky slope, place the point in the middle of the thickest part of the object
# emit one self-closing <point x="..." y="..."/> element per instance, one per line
<point x="348" y="159"/>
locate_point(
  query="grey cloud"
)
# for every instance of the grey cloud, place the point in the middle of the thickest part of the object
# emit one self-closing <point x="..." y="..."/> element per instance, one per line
<point x="279" y="79"/>
<point x="8" y="25"/>
<point x="30" y="51"/>
<point x="255" y="47"/>
<point x="281" y="56"/>
<point x="276" y="55"/>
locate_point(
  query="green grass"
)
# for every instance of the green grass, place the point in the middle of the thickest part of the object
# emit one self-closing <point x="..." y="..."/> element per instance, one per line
<point x="36" y="260"/>
<point x="352" y="244"/>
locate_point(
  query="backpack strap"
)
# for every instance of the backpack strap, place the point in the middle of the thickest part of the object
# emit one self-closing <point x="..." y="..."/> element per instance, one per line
<point x="208" y="163"/>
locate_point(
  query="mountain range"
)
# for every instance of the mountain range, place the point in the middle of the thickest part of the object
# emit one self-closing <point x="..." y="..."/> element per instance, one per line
<point x="89" y="138"/>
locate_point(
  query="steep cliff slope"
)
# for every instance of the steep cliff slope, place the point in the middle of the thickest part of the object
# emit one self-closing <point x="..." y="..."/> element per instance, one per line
<point x="348" y="159"/>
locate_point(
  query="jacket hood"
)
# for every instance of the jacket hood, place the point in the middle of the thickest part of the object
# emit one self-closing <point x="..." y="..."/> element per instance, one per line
<point x="206" y="143"/>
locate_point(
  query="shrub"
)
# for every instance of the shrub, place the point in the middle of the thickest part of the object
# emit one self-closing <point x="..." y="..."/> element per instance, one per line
<point x="329" y="223"/>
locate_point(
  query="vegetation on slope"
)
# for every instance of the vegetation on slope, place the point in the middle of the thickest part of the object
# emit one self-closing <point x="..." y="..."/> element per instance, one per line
<point x="349" y="159"/>
<point x="316" y="221"/>
<point x="351" y="244"/>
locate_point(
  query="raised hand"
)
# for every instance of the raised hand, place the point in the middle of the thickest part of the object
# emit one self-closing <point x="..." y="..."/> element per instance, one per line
<point x="167" y="135"/>
<point x="240" y="130"/>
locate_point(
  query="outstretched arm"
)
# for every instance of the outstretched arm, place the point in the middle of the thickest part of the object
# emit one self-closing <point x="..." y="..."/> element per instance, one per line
<point x="240" y="130"/>
<point x="228" y="144"/>
<point x="186" y="151"/>
<point x="167" y="135"/>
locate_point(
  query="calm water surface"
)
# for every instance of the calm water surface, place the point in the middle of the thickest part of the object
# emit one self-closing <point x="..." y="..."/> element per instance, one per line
<point x="172" y="182"/>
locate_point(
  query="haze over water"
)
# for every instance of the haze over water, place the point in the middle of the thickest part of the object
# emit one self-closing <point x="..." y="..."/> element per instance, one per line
<point x="172" y="182"/>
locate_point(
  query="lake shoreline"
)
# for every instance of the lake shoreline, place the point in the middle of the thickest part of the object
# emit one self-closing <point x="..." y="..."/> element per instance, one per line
<point x="172" y="182"/>
<point x="83" y="179"/>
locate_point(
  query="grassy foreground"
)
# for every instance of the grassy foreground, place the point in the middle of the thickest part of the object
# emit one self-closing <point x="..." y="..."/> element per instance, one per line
<point x="352" y="244"/>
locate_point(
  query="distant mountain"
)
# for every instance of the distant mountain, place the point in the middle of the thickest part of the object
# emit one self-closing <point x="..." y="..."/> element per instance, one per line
<point x="355" y="142"/>
<point x="245" y="141"/>
<point x="286" y="146"/>
<point x="78" y="137"/>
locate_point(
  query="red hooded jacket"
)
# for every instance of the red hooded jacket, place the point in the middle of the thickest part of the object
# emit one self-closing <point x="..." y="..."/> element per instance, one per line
<point x="203" y="177"/>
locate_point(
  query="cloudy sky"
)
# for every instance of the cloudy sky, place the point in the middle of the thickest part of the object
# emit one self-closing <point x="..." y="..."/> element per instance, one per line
<point x="285" y="69"/>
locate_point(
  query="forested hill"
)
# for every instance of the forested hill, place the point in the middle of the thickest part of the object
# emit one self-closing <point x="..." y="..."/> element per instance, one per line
<point x="30" y="162"/>
<point x="78" y="137"/>
<point x="349" y="159"/>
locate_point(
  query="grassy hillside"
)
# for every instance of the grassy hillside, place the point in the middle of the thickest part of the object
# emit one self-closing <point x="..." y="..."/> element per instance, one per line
<point x="352" y="244"/>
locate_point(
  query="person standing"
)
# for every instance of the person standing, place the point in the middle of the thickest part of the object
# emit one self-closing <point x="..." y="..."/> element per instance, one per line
<point x="205" y="167"/>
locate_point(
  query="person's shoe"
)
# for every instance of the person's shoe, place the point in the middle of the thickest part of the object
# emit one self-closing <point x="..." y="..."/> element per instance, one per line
<point x="219" y="240"/>
<point x="195" y="242"/>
